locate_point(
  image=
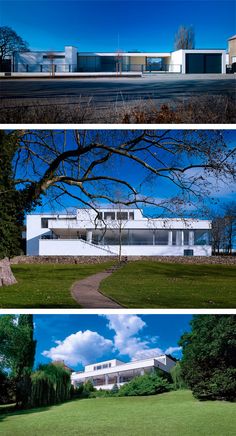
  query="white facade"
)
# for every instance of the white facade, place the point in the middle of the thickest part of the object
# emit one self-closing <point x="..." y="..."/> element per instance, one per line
<point x="46" y="61"/>
<point x="105" y="374"/>
<point x="87" y="234"/>
<point x="70" y="60"/>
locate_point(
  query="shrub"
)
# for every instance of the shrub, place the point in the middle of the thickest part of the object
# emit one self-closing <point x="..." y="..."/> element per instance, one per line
<point x="148" y="384"/>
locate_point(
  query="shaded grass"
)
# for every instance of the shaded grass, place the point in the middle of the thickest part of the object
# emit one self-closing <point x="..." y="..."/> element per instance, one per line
<point x="174" y="413"/>
<point x="144" y="284"/>
<point x="45" y="286"/>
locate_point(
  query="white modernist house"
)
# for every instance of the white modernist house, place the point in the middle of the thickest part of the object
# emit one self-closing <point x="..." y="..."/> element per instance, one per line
<point x="104" y="375"/>
<point x="87" y="233"/>
<point x="71" y="60"/>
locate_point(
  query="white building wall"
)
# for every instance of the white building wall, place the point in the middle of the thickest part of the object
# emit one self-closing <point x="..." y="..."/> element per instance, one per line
<point x="71" y="57"/>
<point x="120" y="368"/>
<point x="73" y="247"/>
<point x="69" y="228"/>
<point x="176" y="60"/>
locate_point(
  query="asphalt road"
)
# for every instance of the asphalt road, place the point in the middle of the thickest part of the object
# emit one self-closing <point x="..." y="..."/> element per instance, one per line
<point x="102" y="92"/>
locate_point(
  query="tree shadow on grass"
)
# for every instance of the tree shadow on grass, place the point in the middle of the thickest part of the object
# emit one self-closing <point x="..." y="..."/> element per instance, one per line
<point x="13" y="411"/>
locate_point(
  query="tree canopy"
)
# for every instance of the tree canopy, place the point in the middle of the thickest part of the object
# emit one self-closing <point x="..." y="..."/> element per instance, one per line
<point x="17" y="351"/>
<point x="10" y="42"/>
<point x="209" y="357"/>
<point x="185" y="38"/>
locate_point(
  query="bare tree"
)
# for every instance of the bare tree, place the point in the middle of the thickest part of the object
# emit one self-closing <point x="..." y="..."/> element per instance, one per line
<point x="185" y="38"/>
<point x="90" y="166"/>
<point x="224" y="229"/>
<point x="10" y="43"/>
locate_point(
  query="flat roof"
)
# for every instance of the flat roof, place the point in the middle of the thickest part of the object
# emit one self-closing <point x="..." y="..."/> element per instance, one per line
<point x="134" y="54"/>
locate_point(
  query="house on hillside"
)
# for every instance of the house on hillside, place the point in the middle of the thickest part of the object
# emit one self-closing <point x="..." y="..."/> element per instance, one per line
<point x="104" y="375"/>
<point x="86" y="233"/>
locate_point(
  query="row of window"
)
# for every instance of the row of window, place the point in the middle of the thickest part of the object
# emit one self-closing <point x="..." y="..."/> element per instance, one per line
<point x="119" y="216"/>
<point x="152" y="237"/>
<point x="103" y="366"/>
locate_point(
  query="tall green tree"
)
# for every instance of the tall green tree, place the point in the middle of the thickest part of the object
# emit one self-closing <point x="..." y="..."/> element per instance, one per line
<point x="209" y="357"/>
<point x="51" y="384"/>
<point x="17" y="351"/>
<point x="14" y="201"/>
<point x="11" y="217"/>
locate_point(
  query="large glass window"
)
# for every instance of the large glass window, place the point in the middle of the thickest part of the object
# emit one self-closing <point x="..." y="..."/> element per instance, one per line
<point x="186" y="237"/>
<point x="177" y="237"/>
<point x="141" y="237"/>
<point x="109" y="216"/>
<point x="122" y="216"/>
<point x="161" y="237"/>
<point x="201" y="237"/>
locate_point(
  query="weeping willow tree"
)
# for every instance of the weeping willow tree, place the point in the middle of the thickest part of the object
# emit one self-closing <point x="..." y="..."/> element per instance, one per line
<point x="176" y="375"/>
<point x="51" y="384"/>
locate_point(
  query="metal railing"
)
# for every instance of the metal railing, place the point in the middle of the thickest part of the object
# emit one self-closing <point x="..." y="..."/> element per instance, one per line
<point x="52" y="68"/>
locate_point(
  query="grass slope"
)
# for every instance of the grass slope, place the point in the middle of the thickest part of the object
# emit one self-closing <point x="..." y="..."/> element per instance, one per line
<point x="45" y="285"/>
<point x="167" y="285"/>
<point x="174" y="413"/>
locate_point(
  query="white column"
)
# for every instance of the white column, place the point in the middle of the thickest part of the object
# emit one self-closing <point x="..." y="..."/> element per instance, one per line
<point x="106" y="379"/>
<point x="142" y="371"/>
<point x="170" y="237"/>
<point x="118" y="378"/>
<point x="182" y="237"/>
<point x="89" y="236"/>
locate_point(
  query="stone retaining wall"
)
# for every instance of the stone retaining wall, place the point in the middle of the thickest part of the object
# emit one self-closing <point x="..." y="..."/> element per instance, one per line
<point x="226" y="260"/>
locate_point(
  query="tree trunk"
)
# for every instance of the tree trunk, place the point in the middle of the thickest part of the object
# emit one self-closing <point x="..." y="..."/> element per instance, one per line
<point x="6" y="276"/>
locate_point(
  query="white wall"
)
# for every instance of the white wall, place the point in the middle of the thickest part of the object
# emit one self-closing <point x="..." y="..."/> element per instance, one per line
<point x="35" y="58"/>
<point x="162" y="362"/>
<point x="73" y="247"/>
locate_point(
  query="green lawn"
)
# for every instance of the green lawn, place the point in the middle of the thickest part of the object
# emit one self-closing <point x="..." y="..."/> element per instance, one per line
<point x="174" y="413"/>
<point x="167" y="285"/>
<point x="45" y="286"/>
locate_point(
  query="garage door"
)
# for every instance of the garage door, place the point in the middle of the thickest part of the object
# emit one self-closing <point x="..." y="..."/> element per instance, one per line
<point x="203" y="63"/>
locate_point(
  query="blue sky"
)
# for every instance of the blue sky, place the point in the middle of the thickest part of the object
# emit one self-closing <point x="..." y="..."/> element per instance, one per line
<point x="84" y="339"/>
<point x="125" y="24"/>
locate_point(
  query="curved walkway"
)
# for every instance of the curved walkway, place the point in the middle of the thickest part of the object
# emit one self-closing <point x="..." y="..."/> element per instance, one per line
<point x="86" y="292"/>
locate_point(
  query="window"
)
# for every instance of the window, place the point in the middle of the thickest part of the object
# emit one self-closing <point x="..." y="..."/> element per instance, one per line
<point x="44" y="223"/>
<point x="186" y="237"/>
<point x="141" y="237"/>
<point x="161" y="237"/>
<point x="201" y="237"/>
<point x="109" y="216"/>
<point x="177" y="237"/>
<point x="52" y="56"/>
<point x="100" y="215"/>
<point x="131" y="216"/>
<point x="122" y="216"/>
<point x="188" y="252"/>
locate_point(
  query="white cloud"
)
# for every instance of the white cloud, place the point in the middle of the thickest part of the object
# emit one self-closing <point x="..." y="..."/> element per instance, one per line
<point x="147" y="353"/>
<point x="126" y="329"/>
<point x="172" y="350"/>
<point x="81" y="347"/>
